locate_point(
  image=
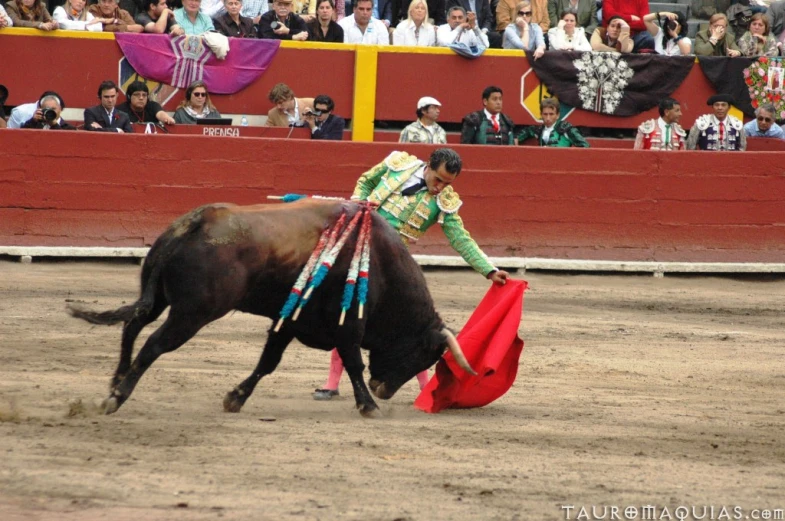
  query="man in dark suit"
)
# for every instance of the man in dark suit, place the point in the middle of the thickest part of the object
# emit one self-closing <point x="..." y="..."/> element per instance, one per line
<point x="485" y="19"/>
<point x="105" y="117"/>
<point x="325" y="125"/>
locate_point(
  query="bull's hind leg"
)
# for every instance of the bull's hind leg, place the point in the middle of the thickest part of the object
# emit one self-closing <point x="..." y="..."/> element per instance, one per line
<point x="178" y="328"/>
<point x="271" y="356"/>
<point x="353" y="362"/>
<point x="131" y="330"/>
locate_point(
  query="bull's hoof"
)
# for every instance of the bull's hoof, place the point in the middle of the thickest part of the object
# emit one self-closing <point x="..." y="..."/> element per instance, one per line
<point x="370" y="411"/>
<point x="232" y="402"/>
<point x="110" y="405"/>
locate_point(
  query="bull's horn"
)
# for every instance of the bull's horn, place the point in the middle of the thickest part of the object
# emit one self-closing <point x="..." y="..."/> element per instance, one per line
<point x="455" y="349"/>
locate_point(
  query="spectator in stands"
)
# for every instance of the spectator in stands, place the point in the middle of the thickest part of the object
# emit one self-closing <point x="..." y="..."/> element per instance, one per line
<point x="669" y="31"/>
<point x="196" y="105"/>
<point x="5" y="20"/>
<point x="507" y="12"/>
<point x="323" y="123"/>
<point x="362" y="27"/>
<point x="776" y="17"/>
<point x="523" y="34"/>
<point x="415" y="31"/>
<point x="717" y="131"/>
<point x="552" y="132"/>
<point x="585" y="12"/>
<point x="282" y="24"/>
<point x="323" y="28"/>
<point x="139" y="107"/>
<point x="74" y="17"/>
<point x="461" y="29"/>
<point x="157" y="18"/>
<point x="616" y="38"/>
<point x="232" y="24"/>
<point x="763" y="124"/>
<point x="489" y="126"/>
<point x="758" y="40"/>
<point x="632" y="12"/>
<point x="115" y="20"/>
<point x="663" y="133"/>
<point x="485" y="19"/>
<point x="715" y="40"/>
<point x="567" y="36"/>
<point x="254" y="9"/>
<point x="21" y="113"/>
<point x="47" y="116"/>
<point x="288" y="110"/>
<point x="191" y="19"/>
<point x="425" y="129"/>
<point x="30" y="13"/>
<point x="105" y="117"/>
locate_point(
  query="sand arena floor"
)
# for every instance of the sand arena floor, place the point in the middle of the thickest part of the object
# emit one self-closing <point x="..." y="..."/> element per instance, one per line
<point x="632" y="391"/>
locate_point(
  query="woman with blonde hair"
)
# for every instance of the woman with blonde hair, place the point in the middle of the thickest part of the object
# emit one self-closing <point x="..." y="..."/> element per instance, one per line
<point x="523" y="34"/>
<point x="415" y="31"/>
<point x="196" y="105"/>
<point x="30" y="13"/>
<point x="73" y="16"/>
<point x="758" y="40"/>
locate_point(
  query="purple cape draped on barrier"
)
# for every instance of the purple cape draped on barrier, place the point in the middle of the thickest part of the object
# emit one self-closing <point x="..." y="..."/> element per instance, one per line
<point x="180" y="61"/>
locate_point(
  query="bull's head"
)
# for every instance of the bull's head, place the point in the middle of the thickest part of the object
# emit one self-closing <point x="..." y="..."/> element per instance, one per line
<point x="390" y="370"/>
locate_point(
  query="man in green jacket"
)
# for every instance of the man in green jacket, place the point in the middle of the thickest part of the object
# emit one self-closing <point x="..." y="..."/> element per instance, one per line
<point x="488" y="126"/>
<point x="413" y="195"/>
<point x="553" y="133"/>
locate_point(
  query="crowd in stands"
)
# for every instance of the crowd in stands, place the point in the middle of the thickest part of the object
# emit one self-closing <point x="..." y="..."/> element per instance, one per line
<point x="535" y="26"/>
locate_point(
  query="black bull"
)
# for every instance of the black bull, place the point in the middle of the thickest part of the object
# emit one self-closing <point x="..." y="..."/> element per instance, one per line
<point x="222" y="257"/>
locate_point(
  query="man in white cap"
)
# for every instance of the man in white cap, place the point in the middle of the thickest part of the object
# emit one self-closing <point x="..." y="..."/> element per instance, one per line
<point x="425" y="129"/>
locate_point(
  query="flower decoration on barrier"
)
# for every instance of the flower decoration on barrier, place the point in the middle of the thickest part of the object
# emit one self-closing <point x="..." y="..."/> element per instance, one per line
<point x="765" y="81"/>
<point x="602" y="77"/>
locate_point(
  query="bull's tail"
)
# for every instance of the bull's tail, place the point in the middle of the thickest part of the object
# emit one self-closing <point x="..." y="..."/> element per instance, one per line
<point x="141" y="308"/>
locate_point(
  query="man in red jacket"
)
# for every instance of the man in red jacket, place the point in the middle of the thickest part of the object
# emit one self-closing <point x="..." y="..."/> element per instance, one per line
<point x="632" y="11"/>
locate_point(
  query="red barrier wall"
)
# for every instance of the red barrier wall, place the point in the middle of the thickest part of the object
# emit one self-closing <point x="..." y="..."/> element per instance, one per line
<point x="81" y="189"/>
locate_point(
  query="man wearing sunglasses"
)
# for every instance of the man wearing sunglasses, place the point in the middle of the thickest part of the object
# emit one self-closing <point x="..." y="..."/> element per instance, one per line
<point x="763" y="125"/>
<point x="718" y="131"/>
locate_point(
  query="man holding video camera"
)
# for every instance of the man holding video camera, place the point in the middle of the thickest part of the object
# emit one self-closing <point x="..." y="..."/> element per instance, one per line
<point x="47" y="116"/>
<point x="323" y="123"/>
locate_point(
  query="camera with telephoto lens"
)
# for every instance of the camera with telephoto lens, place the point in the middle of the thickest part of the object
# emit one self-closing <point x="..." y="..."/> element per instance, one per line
<point x="49" y="115"/>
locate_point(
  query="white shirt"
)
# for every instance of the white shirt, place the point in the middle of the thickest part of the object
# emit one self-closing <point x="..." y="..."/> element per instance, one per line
<point x="417" y="176"/>
<point x="546" y="133"/>
<point x="66" y="22"/>
<point x="559" y="39"/>
<point x="212" y="8"/>
<point x="4" y="14"/>
<point x="672" y="48"/>
<point x="404" y="34"/>
<point x="375" y="33"/>
<point x="445" y="36"/>
<point x="294" y="119"/>
<point x="21" y="114"/>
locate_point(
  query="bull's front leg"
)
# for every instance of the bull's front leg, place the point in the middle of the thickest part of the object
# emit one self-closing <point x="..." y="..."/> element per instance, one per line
<point x="353" y="362"/>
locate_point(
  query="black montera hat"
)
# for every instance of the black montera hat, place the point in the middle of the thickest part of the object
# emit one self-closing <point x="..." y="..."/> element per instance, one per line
<point x="727" y="98"/>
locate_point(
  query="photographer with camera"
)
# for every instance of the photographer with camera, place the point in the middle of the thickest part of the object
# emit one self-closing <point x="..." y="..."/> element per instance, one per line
<point x="323" y="124"/>
<point x="282" y="24"/>
<point x="47" y="116"/>
<point x="670" y="33"/>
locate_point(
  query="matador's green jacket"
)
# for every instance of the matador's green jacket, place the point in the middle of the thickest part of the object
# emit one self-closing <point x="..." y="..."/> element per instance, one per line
<point x="412" y="215"/>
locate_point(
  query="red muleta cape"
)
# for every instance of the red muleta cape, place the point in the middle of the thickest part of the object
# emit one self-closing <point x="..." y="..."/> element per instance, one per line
<point x="491" y="344"/>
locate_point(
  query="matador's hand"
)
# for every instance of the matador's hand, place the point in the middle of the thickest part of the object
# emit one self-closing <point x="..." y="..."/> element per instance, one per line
<point x="499" y="277"/>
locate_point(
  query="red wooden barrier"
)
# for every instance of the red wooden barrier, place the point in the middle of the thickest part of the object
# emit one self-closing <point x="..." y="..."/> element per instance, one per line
<point x="91" y="189"/>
